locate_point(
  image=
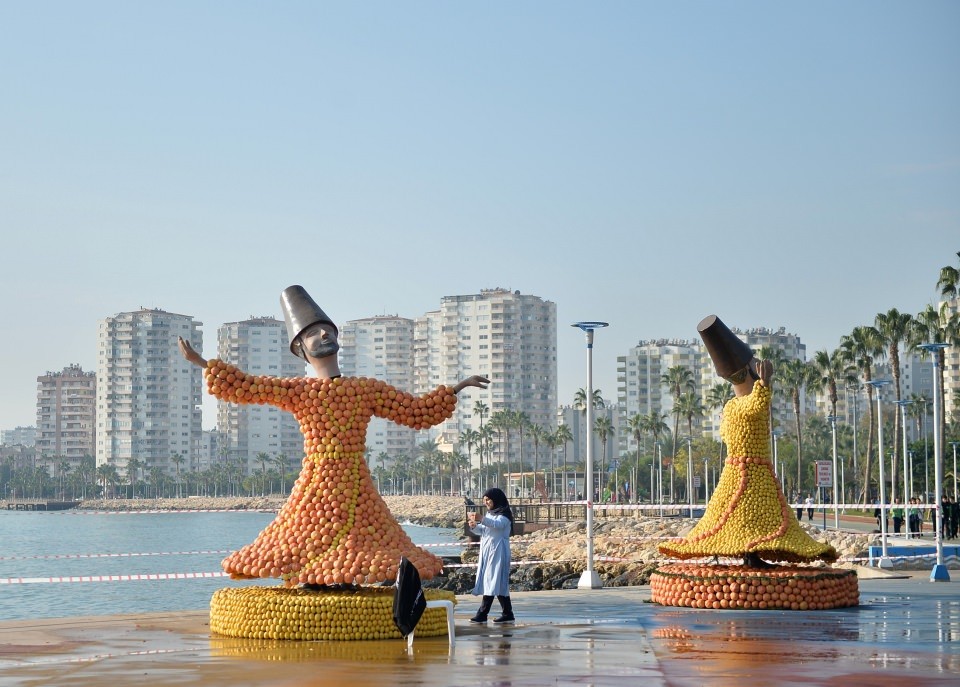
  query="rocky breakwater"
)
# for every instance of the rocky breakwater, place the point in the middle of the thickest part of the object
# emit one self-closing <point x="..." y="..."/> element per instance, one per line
<point x="191" y="503"/>
<point x="428" y="511"/>
<point x="625" y="553"/>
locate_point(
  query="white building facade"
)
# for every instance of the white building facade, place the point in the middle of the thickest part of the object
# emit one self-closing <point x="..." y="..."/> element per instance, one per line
<point x="66" y="415"/>
<point x="382" y="348"/>
<point x="148" y="395"/>
<point x="258" y="346"/>
<point x="504" y="335"/>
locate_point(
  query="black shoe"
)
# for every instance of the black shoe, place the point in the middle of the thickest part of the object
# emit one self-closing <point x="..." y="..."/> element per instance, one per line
<point x="505" y="618"/>
<point x="478" y="618"/>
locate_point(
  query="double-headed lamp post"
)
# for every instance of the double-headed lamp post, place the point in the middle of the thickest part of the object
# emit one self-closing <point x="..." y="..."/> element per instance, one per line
<point x="885" y="561"/>
<point x="907" y="476"/>
<point x="939" y="572"/>
<point x="589" y="579"/>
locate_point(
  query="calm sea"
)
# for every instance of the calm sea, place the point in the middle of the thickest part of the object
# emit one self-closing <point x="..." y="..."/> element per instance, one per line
<point x="36" y="548"/>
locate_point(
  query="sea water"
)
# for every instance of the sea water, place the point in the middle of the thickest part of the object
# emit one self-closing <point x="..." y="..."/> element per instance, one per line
<point x="43" y="554"/>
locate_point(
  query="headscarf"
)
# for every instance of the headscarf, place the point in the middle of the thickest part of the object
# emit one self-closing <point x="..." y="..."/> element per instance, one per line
<point x="500" y="504"/>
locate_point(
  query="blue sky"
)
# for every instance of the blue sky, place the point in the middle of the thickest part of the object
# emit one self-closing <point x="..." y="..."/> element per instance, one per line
<point x="789" y="164"/>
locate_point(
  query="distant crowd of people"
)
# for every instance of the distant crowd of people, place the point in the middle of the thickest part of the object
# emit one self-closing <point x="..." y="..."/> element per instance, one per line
<point x="913" y="516"/>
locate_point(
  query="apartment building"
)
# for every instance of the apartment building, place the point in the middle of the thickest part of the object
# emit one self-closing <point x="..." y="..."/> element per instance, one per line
<point x="148" y="396"/>
<point x="505" y="335"/>
<point x="66" y="414"/>
<point x="382" y="348"/>
<point x="640" y="387"/>
<point x="259" y="346"/>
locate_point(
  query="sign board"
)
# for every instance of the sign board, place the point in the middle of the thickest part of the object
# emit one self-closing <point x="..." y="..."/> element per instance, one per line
<point x="696" y="481"/>
<point x="824" y="473"/>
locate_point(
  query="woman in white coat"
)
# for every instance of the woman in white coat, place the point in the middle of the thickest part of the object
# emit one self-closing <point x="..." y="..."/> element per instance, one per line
<point x="493" y="571"/>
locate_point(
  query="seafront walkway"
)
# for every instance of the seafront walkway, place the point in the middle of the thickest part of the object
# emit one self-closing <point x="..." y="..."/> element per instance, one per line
<point x="906" y="631"/>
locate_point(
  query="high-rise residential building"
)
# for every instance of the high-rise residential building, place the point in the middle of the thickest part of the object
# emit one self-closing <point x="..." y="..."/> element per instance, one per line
<point x="19" y="436"/>
<point x="148" y="395"/>
<point x="382" y="348"/>
<point x="66" y="415"/>
<point x="640" y="387"/>
<point x="259" y="346"/>
<point x="765" y="342"/>
<point x="504" y="335"/>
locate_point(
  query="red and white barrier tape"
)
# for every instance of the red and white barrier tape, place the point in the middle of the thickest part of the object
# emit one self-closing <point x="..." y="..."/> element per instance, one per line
<point x="155" y="511"/>
<point x="63" y="556"/>
<point x="112" y="578"/>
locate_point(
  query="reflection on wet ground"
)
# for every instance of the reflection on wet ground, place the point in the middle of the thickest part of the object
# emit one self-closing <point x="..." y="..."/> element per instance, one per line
<point x="907" y="631"/>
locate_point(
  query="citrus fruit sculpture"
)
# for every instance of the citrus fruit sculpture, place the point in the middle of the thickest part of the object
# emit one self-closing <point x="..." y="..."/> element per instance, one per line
<point x="748" y="517"/>
<point x="334" y="529"/>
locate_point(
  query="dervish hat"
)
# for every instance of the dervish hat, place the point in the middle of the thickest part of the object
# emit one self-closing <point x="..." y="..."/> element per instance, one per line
<point x="299" y="312"/>
<point x="727" y="351"/>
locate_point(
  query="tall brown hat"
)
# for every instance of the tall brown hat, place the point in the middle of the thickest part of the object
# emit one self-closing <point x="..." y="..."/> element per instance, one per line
<point x="299" y="312"/>
<point x="728" y="352"/>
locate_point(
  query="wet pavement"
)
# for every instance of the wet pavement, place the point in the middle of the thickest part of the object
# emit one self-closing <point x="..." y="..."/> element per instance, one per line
<point x="906" y="631"/>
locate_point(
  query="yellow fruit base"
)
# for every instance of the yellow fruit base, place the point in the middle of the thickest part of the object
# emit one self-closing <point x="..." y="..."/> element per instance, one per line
<point x="300" y="614"/>
<point x="735" y="586"/>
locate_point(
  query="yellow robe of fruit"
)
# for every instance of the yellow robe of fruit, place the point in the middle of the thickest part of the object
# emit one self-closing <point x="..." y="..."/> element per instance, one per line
<point x="748" y="512"/>
<point x="334" y="528"/>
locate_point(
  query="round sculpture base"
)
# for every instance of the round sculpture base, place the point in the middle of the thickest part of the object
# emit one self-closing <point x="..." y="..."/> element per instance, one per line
<point x="786" y="587"/>
<point x="301" y="614"/>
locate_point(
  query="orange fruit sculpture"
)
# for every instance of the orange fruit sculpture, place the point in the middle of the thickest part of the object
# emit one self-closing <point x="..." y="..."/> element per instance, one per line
<point x="334" y="528"/>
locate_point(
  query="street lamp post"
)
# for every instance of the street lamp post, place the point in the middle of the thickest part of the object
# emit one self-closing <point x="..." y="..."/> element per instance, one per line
<point x="690" y="475"/>
<point x="906" y="482"/>
<point x="939" y="572"/>
<point x="589" y="579"/>
<point x="836" y="508"/>
<point x="885" y="561"/>
<point x="660" y="479"/>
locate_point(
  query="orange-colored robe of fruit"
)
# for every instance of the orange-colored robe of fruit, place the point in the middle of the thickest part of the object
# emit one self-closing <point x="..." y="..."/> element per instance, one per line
<point x="334" y="528"/>
<point x="748" y="512"/>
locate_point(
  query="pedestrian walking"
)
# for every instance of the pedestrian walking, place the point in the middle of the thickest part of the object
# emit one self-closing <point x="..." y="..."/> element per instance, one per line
<point x="493" y="569"/>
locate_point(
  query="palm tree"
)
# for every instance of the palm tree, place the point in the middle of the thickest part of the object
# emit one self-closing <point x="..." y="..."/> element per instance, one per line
<point x="563" y="437"/>
<point x="677" y="380"/>
<point x="580" y="400"/>
<point x="895" y="329"/>
<point x="949" y="281"/>
<point x="482" y="409"/>
<point x="263" y="458"/>
<point x="937" y="326"/>
<point x="177" y="459"/>
<point x="603" y="428"/>
<point x="280" y="461"/>
<point x="500" y="423"/>
<point x="717" y="397"/>
<point x="798" y="376"/>
<point x="485" y="444"/>
<point x="520" y="421"/>
<point x="427" y="450"/>
<point x="832" y="367"/>
<point x="862" y="346"/>
<point x="133" y="466"/>
<point x="63" y="468"/>
<point x="551" y="442"/>
<point x="539" y="435"/>
<point x="637" y="427"/>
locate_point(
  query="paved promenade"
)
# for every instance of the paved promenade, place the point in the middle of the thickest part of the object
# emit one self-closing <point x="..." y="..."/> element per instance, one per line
<point x="906" y="631"/>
